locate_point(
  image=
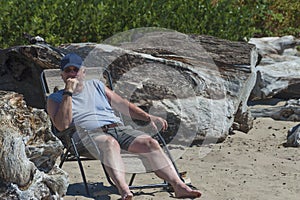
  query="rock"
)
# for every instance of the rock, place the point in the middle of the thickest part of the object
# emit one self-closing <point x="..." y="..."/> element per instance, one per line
<point x="278" y="72"/>
<point x="293" y="137"/>
<point x="198" y="83"/>
<point x="28" y="151"/>
<point x="20" y="70"/>
<point x="279" y="80"/>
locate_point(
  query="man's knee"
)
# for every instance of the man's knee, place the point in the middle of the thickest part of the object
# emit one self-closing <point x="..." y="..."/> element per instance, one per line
<point x="151" y="143"/>
<point x="107" y="143"/>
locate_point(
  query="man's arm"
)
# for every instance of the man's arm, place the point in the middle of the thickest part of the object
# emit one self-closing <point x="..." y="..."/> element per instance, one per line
<point x="60" y="114"/>
<point x="130" y="109"/>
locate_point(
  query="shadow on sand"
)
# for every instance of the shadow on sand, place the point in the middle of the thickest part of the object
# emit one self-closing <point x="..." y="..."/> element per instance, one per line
<point x="100" y="192"/>
<point x="97" y="191"/>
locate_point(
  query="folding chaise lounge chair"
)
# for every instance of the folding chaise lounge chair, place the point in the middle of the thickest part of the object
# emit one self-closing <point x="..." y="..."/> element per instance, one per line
<point x="51" y="80"/>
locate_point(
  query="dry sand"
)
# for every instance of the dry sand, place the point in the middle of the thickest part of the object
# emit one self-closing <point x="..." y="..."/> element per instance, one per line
<point x="254" y="166"/>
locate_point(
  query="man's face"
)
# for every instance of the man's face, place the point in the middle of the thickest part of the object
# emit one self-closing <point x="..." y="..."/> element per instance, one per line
<point x="73" y="72"/>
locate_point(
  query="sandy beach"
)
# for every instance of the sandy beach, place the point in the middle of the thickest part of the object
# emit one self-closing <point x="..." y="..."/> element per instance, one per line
<point x="254" y="166"/>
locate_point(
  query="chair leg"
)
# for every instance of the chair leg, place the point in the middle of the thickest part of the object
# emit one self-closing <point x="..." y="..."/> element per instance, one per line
<point x="80" y="167"/>
<point x="107" y="176"/>
<point x="63" y="158"/>
<point x="132" y="179"/>
<point x="169" y="154"/>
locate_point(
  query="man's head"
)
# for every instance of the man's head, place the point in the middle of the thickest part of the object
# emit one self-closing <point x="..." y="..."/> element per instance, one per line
<point x="72" y="67"/>
<point x="71" y="59"/>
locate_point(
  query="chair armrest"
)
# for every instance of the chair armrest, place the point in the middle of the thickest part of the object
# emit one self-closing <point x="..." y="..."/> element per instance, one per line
<point x="66" y="135"/>
<point x="67" y="132"/>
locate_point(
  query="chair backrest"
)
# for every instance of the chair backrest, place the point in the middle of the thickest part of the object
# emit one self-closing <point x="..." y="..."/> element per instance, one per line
<point x="51" y="78"/>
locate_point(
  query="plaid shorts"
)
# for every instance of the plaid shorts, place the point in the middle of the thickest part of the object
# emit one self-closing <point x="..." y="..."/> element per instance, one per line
<point x="124" y="135"/>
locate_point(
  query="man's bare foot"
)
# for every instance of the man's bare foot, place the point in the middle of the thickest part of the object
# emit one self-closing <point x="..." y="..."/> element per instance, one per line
<point x="127" y="196"/>
<point x="183" y="191"/>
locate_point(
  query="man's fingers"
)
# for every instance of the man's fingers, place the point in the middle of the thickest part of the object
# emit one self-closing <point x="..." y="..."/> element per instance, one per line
<point x="163" y="123"/>
<point x="71" y="84"/>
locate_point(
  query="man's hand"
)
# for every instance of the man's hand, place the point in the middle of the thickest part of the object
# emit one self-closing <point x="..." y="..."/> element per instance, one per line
<point x="154" y="121"/>
<point x="71" y="84"/>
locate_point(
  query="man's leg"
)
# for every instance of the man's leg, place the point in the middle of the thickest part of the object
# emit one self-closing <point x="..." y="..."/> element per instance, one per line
<point x="111" y="158"/>
<point x="162" y="165"/>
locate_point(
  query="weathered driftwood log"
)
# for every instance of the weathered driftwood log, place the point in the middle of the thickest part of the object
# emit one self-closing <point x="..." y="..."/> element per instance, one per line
<point x="28" y="151"/>
<point x="288" y="112"/>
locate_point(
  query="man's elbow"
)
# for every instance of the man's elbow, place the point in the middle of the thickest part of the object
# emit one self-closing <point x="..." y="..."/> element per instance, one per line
<point x="65" y="127"/>
<point x="61" y="127"/>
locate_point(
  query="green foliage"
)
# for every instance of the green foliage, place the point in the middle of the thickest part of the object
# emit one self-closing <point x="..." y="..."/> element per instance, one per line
<point x="95" y="20"/>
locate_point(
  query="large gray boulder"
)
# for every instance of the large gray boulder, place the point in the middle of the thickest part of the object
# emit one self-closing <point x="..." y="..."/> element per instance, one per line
<point x="200" y="84"/>
<point x="20" y="69"/>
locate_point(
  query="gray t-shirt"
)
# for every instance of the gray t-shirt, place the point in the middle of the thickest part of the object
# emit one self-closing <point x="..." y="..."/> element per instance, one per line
<point x="90" y="107"/>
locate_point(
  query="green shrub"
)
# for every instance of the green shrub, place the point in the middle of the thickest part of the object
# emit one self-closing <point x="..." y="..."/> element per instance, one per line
<point x="66" y="21"/>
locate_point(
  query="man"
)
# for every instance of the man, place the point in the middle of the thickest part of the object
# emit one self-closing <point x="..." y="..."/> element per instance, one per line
<point x="89" y="104"/>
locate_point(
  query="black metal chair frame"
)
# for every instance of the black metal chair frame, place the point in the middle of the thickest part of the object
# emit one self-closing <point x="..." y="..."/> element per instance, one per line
<point x="71" y="152"/>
